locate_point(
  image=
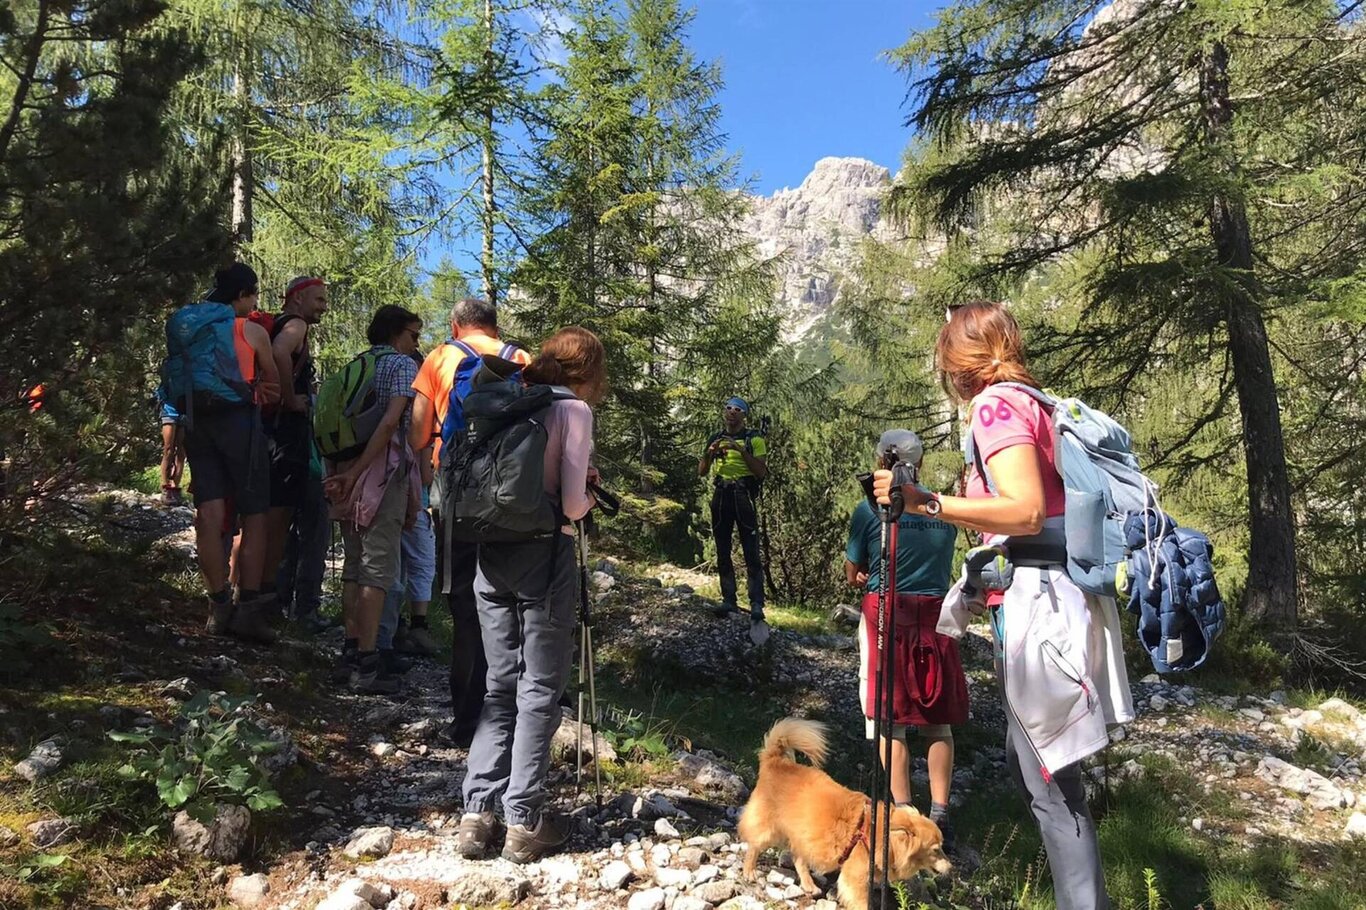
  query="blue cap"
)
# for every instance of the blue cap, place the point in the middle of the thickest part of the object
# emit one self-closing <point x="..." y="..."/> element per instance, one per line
<point x="736" y="401"/>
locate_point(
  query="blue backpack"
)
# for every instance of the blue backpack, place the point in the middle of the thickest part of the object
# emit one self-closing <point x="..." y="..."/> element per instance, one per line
<point x="200" y="371"/>
<point x="455" y="425"/>
<point x="1104" y="489"/>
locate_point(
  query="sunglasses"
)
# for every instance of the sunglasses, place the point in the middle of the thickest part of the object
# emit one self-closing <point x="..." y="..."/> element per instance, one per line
<point x="731" y="407"/>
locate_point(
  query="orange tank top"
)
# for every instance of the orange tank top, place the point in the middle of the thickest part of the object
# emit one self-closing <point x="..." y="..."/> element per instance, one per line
<point x="246" y="355"/>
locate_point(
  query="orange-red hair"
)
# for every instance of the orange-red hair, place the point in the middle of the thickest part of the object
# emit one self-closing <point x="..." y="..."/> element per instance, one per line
<point x="978" y="346"/>
<point x="573" y="356"/>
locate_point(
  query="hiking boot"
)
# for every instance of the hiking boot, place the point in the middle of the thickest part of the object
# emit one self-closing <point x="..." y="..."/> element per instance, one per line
<point x="392" y="663"/>
<point x="313" y="622"/>
<point x="220" y="617"/>
<point x="419" y="641"/>
<point x="251" y="621"/>
<point x="946" y="829"/>
<point x="460" y="736"/>
<point x="477" y="830"/>
<point x="725" y="609"/>
<point x="170" y="496"/>
<point x="526" y="845"/>
<point x="341" y="671"/>
<point x="369" y="677"/>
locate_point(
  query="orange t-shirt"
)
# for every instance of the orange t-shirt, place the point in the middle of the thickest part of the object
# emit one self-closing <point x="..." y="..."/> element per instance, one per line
<point x="437" y="373"/>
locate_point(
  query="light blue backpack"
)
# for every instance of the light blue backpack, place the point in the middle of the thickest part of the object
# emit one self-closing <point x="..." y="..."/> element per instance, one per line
<point x="200" y="371"/>
<point x="1102" y="482"/>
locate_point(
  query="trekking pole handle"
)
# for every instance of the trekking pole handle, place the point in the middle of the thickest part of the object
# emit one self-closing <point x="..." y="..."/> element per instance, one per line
<point x="865" y="480"/>
<point x="901" y="476"/>
<point x="608" y="503"/>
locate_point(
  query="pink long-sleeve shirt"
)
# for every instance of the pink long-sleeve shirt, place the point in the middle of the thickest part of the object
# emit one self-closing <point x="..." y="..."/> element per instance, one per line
<point x="568" y="451"/>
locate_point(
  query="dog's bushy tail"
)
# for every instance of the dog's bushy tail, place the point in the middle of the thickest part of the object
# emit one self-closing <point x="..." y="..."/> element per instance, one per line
<point x="792" y="734"/>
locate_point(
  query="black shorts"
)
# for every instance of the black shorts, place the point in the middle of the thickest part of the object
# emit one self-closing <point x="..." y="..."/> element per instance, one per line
<point x="227" y="455"/>
<point x="291" y="448"/>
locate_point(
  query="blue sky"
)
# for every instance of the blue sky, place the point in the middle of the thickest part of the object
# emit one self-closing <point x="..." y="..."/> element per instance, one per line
<point x="805" y="79"/>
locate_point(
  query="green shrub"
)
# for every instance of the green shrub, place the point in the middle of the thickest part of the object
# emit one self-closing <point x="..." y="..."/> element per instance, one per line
<point x="210" y="757"/>
<point x="19" y="641"/>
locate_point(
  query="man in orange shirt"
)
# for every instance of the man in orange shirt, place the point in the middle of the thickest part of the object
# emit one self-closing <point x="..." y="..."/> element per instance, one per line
<point x="474" y="329"/>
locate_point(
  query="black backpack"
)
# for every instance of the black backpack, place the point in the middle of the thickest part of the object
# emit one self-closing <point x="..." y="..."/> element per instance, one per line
<point x="493" y="480"/>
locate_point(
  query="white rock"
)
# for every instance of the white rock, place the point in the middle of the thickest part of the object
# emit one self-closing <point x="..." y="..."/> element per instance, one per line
<point x="222" y="839"/>
<point x="478" y="888"/>
<point x="614" y="876"/>
<point x="665" y="828"/>
<point x="1158" y="703"/>
<point x="52" y="832"/>
<point x="1198" y="824"/>
<point x="343" y="901"/>
<point x="672" y="878"/>
<point x="45" y="758"/>
<point x="248" y="890"/>
<point x="1252" y="714"/>
<point x="1338" y="706"/>
<point x="689" y="902"/>
<point x="370" y="842"/>
<point x="1356" y="825"/>
<point x="650" y="899"/>
<point x="603" y="582"/>
<point x="383" y="750"/>
<point x="1314" y="787"/>
<point x="374" y="895"/>
<point x="564" y="745"/>
<point x="705" y="874"/>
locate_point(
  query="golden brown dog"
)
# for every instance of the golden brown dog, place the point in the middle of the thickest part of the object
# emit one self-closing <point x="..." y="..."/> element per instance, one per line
<point x="826" y="825"/>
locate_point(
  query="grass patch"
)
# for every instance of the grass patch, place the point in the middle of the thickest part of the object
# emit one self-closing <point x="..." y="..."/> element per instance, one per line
<point x="802" y="620"/>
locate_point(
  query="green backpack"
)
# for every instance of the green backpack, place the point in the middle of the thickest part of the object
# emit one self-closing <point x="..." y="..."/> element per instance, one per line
<point x="348" y="410"/>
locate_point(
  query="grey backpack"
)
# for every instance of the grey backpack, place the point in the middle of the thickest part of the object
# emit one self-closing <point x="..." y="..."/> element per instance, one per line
<point x="1102" y="482"/>
<point x="493" y="482"/>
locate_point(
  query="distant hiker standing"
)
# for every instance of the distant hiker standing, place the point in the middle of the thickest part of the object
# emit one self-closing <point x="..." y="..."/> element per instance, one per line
<point x="474" y="333"/>
<point x="289" y="427"/>
<point x="740" y="458"/>
<point x="218" y="366"/>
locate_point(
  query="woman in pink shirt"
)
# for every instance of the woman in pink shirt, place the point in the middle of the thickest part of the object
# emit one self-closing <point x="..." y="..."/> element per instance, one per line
<point x="526" y="594"/>
<point x="1060" y="661"/>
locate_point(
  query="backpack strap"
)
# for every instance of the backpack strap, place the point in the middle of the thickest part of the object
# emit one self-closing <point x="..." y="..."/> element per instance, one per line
<point x="507" y="350"/>
<point x="469" y="351"/>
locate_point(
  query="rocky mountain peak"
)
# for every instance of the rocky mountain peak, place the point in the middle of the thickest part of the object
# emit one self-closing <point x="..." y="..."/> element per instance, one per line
<point x="813" y="232"/>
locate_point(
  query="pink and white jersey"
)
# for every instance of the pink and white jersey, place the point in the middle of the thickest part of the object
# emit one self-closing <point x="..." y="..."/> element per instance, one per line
<point x="1003" y="417"/>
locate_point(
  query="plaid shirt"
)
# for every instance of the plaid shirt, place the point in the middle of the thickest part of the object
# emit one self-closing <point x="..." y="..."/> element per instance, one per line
<point x="394" y="376"/>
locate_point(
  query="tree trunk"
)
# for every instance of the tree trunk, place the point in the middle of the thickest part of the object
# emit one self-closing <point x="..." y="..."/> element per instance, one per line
<point x="489" y="210"/>
<point x="32" y="52"/>
<point x="243" y="179"/>
<point x="1272" y="595"/>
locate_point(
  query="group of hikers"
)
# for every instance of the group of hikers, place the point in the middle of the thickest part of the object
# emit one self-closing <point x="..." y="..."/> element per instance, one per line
<point x="270" y="468"/>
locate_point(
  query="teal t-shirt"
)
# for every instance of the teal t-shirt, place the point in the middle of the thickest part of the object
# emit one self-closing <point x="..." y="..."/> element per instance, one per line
<point x="924" y="551"/>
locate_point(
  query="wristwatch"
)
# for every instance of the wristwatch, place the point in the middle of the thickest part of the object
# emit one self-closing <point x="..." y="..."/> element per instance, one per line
<point x="934" y="506"/>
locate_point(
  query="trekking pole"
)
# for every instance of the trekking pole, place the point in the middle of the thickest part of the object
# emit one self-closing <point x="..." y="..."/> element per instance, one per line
<point x="884" y="679"/>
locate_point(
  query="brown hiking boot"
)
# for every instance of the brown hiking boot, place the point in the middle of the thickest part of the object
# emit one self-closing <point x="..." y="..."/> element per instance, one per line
<point x="251" y="621"/>
<point x="477" y="830"/>
<point x="419" y="641"/>
<point x="220" y="617"/>
<point x="526" y="845"/>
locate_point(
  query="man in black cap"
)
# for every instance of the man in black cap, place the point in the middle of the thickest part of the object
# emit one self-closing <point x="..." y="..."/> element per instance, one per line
<point x="225" y="446"/>
<point x="740" y="457"/>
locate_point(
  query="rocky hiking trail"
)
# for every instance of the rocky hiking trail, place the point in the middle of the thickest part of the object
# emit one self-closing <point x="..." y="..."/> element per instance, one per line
<point x="372" y="790"/>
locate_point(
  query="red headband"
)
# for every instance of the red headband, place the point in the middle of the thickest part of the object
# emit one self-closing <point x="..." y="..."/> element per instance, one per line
<point x="312" y="282"/>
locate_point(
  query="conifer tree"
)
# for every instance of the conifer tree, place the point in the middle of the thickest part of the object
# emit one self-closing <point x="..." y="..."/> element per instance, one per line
<point x="1165" y="173"/>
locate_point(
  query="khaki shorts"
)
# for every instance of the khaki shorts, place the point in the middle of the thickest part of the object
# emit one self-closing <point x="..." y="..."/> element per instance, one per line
<point x="373" y="555"/>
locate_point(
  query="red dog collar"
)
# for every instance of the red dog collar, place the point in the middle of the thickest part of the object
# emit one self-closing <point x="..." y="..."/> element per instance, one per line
<point x="860" y="834"/>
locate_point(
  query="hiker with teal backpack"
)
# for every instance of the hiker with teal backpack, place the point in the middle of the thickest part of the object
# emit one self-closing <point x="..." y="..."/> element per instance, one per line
<point x="516" y="483"/>
<point x="218" y="369"/>
<point x="361" y="429"/>
<point x="1060" y="660"/>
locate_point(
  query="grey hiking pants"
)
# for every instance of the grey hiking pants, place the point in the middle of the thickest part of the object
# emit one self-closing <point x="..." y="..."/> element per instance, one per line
<point x="1065" y="824"/>
<point x="526" y="596"/>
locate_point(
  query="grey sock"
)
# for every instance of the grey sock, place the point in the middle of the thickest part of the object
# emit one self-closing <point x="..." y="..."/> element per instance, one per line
<point x="939" y="811"/>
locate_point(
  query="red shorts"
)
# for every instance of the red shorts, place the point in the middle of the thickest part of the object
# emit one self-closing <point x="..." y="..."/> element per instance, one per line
<point x="928" y="684"/>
